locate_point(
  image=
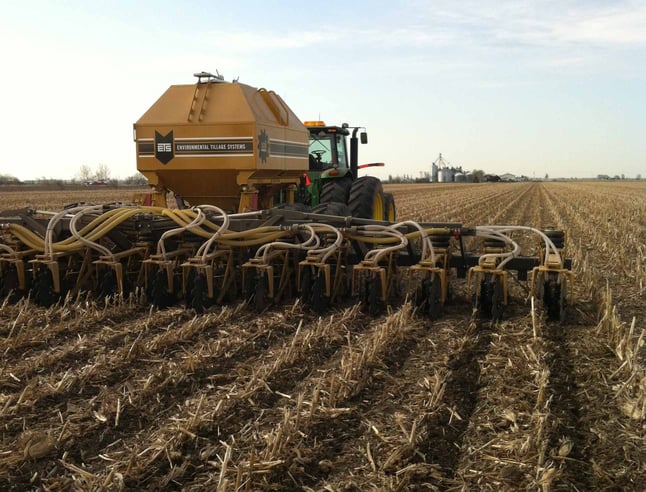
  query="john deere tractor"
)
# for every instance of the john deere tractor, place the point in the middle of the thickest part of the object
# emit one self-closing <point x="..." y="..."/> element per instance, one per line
<point x="333" y="185"/>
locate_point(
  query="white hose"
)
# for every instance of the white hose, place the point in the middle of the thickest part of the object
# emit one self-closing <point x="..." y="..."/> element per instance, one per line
<point x="549" y="244"/>
<point x="48" y="248"/>
<point x="199" y="220"/>
<point x="90" y="244"/>
<point x="312" y="242"/>
<point x="8" y="249"/>
<point x="490" y="233"/>
<point x="204" y="249"/>
<point x="388" y="231"/>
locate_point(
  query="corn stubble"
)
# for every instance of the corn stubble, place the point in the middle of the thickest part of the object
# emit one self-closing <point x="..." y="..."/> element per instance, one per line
<point x="118" y="396"/>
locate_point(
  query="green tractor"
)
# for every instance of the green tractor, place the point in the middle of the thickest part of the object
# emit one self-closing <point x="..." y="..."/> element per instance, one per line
<point x="332" y="185"/>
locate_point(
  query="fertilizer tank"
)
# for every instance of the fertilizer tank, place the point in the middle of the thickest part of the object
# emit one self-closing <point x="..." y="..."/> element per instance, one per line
<point x="206" y="141"/>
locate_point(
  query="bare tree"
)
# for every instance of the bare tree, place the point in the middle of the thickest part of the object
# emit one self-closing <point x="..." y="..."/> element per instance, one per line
<point x="102" y="172"/>
<point x="85" y="173"/>
<point x="137" y="179"/>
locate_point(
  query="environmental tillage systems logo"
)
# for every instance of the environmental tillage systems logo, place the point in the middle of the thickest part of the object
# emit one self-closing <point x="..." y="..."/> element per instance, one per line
<point x="164" y="151"/>
<point x="263" y="146"/>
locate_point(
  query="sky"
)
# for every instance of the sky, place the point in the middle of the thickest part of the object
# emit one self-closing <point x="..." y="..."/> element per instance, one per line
<point x="523" y="87"/>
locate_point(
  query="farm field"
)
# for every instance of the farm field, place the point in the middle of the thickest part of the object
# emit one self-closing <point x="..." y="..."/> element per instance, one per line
<point x="125" y="397"/>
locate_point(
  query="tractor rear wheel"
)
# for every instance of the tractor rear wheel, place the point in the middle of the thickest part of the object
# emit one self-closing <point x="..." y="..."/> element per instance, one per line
<point x="336" y="190"/>
<point x="390" y="212"/>
<point x="367" y="198"/>
<point x="332" y="208"/>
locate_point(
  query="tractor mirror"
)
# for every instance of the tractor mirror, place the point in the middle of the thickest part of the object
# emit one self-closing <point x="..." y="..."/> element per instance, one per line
<point x="364" y="137"/>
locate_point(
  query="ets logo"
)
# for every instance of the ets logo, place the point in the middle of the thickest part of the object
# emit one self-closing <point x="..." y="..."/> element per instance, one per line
<point x="164" y="147"/>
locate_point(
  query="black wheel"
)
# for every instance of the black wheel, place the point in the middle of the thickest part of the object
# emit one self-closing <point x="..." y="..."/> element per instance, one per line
<point x="261" y="290"/>
<point x="320" y="302"/>
<point x="557" y="237"/>
<point x="563" y="307"/>
<point x="552" y="299"/>
<point x="336" y="190"/>
<point x="188" y="289"/>
<point x="306" y="285"/>
<point x="9" y="284"/>
<point x="332" y="208"/>
<point x="390" y="212"/>
<point x="497" y="298"/>
<point x="419" y="297"/>
<point x="482" y="299"/>
<point x="374" y="304"/>
<point x="43" y="291"/>
<point x="108" y="283"/>
<point x="159" y="295"/>
<point x="366" y="198"/>
<point x="434" y="302"/>
<point x="199" y="299"/>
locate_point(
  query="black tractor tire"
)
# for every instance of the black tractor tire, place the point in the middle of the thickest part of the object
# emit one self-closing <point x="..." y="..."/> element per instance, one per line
<point x="336" y="190"/>
<point x="390" y="212"/>
<point x="367" y="198"/>
<point x="332" y="208"/>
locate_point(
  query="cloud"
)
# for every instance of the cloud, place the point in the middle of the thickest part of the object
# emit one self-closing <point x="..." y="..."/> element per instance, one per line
<point x="252" y="42"/>
<point x="610" y="26"/>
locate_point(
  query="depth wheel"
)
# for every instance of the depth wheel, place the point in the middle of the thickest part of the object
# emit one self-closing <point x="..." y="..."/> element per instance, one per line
<point x="434" y="307"/>
<point x="563" y="306"/>
<point x="43" y="293"/>
<point x="306" y="285"/>
<point x="497" y="298"/>
<point x="482" y="299"/>
<point x="108" y="283"/>
<point x="9" y="284"/>
<point x="373" y="302"/>
<point x="199" y="294"/>
<point x="552" y="299"/>
<point x="318" y="299"/>
<point x="261" y="301"/>
<point x="159" y="295"/>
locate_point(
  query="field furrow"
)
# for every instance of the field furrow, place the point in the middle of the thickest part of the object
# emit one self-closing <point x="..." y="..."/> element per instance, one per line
<point x="124" y="397"/>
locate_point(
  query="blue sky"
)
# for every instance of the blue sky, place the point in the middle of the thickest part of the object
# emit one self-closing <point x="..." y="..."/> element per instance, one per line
<point x="527" y="87"/>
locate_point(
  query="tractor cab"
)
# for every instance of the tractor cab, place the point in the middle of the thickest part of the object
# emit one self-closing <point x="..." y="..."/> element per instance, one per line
<point x="328" y="151"/>
<point x="327" y="146"/>
<point x="333" y="166"/>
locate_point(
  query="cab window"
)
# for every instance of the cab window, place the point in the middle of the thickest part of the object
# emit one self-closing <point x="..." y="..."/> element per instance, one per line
<point x="327" y="150"/>
<point x="321" y="151"/>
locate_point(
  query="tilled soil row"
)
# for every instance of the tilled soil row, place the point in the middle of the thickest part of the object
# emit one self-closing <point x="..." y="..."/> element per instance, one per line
<point x="308" y="437"/>
<point x="144" y="388"/>
<point x="191" y="432"/>
<point x="83" y="343"/>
